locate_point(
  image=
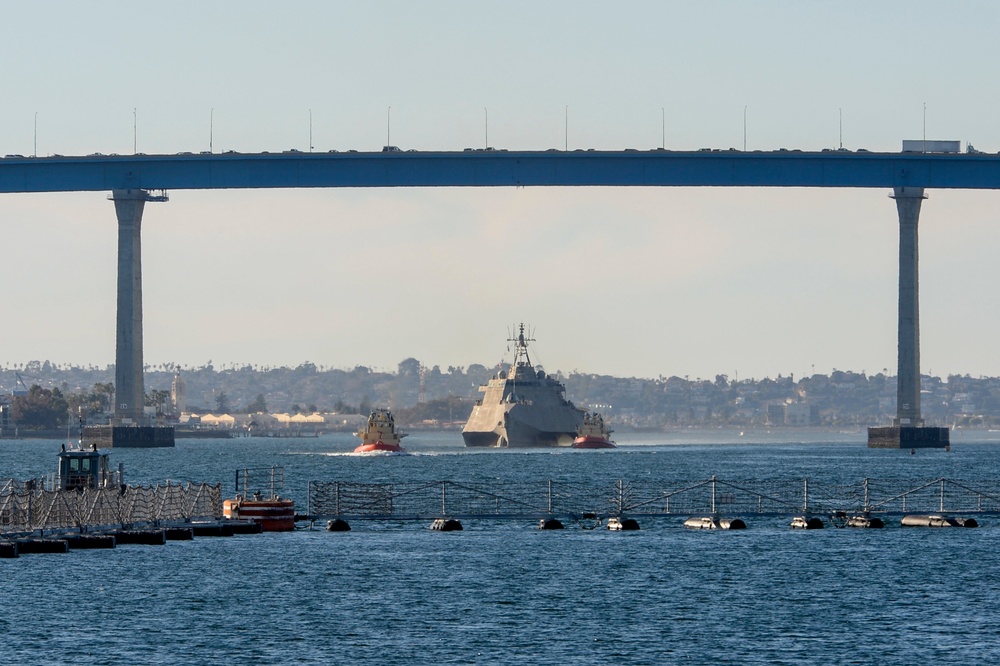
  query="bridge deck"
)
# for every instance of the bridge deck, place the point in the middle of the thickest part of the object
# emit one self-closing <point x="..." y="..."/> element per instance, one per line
<point x="656" y="168"/>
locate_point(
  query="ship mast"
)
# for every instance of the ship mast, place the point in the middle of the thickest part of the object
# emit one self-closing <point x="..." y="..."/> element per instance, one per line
<point x="521" y="347"/>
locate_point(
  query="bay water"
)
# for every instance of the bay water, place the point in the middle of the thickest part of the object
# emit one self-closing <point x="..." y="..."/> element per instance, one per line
<point x="503" y="592"/>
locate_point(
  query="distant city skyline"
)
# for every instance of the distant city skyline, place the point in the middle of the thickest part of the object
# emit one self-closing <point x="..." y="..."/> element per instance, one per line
<point x="627" y="282"/>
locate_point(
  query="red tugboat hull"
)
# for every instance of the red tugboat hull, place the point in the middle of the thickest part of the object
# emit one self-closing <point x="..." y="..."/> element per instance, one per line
<point x="380" y="447"/>
<point x="592" y="442"/>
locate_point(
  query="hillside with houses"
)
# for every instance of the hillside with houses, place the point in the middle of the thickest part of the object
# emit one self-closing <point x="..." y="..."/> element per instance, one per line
<point x="314" y="397"/>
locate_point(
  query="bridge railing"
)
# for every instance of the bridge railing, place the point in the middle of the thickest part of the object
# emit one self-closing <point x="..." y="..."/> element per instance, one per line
<point x="28" y="510"/>
<point x="637" y="498"/>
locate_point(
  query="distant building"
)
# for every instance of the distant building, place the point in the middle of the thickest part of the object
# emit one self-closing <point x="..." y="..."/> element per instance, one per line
<point x="799" y="414"/>
<point x="299" y="420"/>
<point x="178" y="394"/>
<point x="227" y="421"/>
<point x="776" y="414"/>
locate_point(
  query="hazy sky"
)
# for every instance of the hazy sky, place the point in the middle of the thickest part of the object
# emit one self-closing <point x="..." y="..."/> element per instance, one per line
<point x="640" y="281"/>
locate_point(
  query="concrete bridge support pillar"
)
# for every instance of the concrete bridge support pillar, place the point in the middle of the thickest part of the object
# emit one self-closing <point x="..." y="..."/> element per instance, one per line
<point x="908" y="200"/>
<point x="129" y="428"/>
<point x="129" y="388"/>
<point x="907" y="430"/>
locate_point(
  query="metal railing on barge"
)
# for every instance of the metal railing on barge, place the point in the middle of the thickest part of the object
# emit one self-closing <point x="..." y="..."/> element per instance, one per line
<point x="500" y="499"/>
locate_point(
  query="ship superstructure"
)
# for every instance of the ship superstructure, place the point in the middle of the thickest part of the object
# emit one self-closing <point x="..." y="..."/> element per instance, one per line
<point x="522" y="407"/>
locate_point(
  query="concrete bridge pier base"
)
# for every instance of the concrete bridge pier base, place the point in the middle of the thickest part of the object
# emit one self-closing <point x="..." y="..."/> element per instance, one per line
<point x="908" y="429"/>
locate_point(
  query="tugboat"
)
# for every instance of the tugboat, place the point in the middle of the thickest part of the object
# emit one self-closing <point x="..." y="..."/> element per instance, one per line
<point x="86" y="469"/>
<point x="379" y="435"/>
<point x="522" y="407"/>
<point x="593" y="433"/>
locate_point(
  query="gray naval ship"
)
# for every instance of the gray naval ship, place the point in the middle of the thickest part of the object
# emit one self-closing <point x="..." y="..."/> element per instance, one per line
<point x="522" y="407"/>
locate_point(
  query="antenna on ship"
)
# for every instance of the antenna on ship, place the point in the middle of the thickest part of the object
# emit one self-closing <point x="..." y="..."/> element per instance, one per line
<point x="521" y="345"/>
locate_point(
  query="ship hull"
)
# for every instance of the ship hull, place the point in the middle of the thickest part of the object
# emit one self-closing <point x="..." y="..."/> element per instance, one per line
<point x="521" y="440"/>
<point x="482" y="439"/>
<point x="521" y="426"/>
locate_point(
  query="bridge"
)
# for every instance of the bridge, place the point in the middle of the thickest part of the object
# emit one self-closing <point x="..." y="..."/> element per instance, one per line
<point x="130" y="179"/>
<point x="497" y="168"/>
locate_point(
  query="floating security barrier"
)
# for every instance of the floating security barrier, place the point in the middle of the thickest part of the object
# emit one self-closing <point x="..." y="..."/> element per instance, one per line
<point x="213" y="530"/>
<point x="701" y="523"/>
<point x="868" y="522"/>
<point x="937" y="521"/>
<point x="90" y="541"/>
<point x="713" y="523"/>
<point x="861" y="519"/>
<point x="246" y="527"/>
<point x="31" y="546"/>
<point x="226" y="528"/>
<point x="550" y="524"/>
<point x="8" y="549"/>
<point x="179" y="533"/>
<point x="446" y="525"/>
<point x="622" y="524"/>
<point x="338" y="525"/>
<point x="807" y="523"/>
<point x="141" y="537"/>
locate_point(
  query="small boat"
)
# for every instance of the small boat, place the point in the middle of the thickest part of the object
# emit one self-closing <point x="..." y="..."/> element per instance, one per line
<point x="379" y="435"/>
<point x="593" y="434"/>
<point x="86" y="469"/>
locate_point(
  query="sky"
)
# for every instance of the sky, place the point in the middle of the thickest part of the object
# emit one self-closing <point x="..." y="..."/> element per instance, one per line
<point x="644" y="282"/>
